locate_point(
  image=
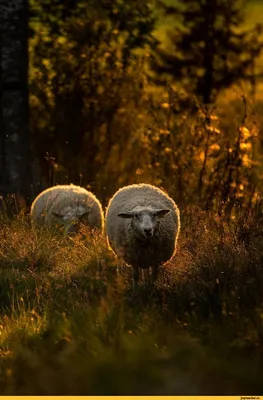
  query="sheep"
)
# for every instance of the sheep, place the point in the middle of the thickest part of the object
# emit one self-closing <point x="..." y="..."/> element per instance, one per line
<point x="68" y="206"/>
<point x="142" y="227"/>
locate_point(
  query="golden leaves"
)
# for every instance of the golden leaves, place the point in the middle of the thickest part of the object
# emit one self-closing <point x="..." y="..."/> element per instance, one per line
<point x="165" y="105"/>
<point x="245" y="132"/>
<point x="214" y="147"/>
<point x="212" y="129"/>
<point x="46" y="62"/>
<point x="245" y="146"/>
<point x="164" y="131"/>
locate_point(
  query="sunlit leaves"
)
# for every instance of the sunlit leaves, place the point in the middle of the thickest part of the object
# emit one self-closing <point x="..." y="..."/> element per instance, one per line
<point x="87" y="81"/>
<point x="201" y="155"/>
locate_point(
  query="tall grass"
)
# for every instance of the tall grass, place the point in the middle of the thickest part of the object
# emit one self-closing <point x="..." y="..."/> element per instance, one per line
<point x="65" y="330"/>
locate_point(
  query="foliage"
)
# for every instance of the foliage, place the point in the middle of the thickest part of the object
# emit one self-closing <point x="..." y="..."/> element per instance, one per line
<point x="209" y="49"/>
<point x="207" y="157"/>
<point x="97" y="121"/>
<point x="87" y="98"/>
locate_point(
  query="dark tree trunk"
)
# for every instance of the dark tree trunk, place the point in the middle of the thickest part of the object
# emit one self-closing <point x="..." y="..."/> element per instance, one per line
<point x="15" y="149"/>
<point x="209" y="53"/>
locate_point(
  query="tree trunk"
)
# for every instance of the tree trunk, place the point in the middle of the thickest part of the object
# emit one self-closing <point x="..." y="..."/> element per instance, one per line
<point x="15" y="149"/>
<point x="209" y="52"/>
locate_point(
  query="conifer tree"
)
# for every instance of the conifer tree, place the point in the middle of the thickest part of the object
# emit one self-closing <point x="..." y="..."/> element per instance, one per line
<point x="210" y="48"/>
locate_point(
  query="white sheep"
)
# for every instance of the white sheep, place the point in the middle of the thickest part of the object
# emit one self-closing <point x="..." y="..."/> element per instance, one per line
<point x="142" y="227"/>
<point x="68" y="206"/>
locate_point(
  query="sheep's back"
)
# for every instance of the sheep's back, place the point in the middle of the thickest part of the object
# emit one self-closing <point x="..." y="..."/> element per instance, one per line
<point x="56" y="198"/>
<point x="43" y="202"/>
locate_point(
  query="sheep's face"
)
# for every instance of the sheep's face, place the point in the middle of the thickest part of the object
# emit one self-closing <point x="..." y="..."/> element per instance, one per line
<point x="145" y="221"/>
<point x="72" y="218"/>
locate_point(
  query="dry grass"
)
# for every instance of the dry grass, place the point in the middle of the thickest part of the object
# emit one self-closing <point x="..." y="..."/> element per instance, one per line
<point x="65" y="329"/>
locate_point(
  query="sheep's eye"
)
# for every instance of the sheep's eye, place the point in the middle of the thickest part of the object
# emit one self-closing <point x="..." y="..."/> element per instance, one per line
<point x="58" y="215"/>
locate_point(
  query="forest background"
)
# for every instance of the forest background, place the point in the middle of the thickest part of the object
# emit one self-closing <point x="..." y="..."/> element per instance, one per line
<point x="123" y="92"/>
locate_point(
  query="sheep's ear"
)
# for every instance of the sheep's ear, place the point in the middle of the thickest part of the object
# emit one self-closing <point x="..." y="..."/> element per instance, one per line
<point x="127" y="214"/>
<point x="161" y="212"/>
<point x="57" y="215"/>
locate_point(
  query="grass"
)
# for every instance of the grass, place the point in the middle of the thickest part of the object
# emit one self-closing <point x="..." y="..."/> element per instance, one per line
<point x="66" y="330"/>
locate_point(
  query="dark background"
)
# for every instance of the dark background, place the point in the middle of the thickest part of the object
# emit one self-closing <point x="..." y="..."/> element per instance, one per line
<point x="108" y="93"/>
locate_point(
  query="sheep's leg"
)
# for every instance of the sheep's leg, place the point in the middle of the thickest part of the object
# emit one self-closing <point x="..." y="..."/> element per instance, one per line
<point x="155" y="273"/>
<point x="163" y="275"/>
<point x="99" y="266"/>
<point x="135" y="277"/>
<point x="120" y="267"/>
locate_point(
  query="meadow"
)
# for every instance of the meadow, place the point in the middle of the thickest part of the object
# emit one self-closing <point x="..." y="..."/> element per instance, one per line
<point x="67" y="330"/>
<point x="65" y="327"/>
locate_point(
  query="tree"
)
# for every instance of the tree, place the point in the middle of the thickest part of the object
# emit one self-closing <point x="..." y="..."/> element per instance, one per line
<point x="15" y="161"/>
<point x="87" y="88"/>
<point x="210" y="49"/>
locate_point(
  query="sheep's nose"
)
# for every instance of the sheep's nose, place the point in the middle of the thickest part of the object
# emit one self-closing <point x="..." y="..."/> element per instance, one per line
<point x="148" y="232"/>
<point x="73" y="228"/>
